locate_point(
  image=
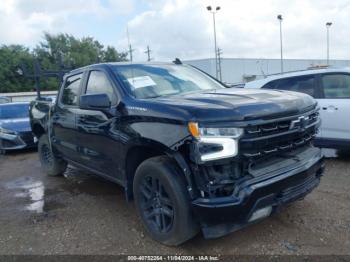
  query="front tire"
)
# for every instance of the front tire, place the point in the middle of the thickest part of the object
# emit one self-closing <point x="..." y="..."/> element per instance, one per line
<point x="52" y="165"/>
<point x="162" y="201"/>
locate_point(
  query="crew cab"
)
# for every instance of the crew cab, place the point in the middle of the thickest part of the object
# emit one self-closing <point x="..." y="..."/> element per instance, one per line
<point x="331" y="89"/>
<point x="193" y="154"/>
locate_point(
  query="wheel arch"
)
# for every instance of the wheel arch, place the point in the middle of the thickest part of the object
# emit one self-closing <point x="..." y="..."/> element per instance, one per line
<point x="141" y="151"/>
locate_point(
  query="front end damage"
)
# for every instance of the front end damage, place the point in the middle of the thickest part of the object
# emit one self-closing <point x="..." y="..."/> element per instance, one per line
<point x="16" y="140"/>
<point x="275" y="164"/>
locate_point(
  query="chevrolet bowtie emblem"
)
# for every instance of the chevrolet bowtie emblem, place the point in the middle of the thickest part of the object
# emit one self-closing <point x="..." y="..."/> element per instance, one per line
<point x="299" y="123"/>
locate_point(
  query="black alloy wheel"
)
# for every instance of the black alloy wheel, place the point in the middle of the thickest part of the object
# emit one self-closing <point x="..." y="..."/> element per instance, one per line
<point x="156" y="204"/>
<point x="163" y="202"/>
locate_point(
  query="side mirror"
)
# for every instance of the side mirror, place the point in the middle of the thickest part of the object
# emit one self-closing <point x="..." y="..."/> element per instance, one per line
<point x="95" y="102"/>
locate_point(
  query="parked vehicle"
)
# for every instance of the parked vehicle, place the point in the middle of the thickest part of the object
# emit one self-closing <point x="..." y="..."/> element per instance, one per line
<point x="331" y="88"/>
<point x="15" y="130"/>
<point x="4" y="99"/>
<point x="236" y="85"/>
<point x="190" y="152"/>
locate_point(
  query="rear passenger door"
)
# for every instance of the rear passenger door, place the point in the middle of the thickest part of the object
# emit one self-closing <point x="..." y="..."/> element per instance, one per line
<point x="98" y="150"/>
<point x="64" y="117"/>
<point x="335" y="105"/>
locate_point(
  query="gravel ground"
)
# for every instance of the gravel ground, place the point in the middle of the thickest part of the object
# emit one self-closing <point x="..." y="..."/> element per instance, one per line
<point x="82" y="214"/>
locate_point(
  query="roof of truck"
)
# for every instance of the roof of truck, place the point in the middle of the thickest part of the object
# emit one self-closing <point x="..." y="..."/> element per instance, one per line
<point x="77" y="70"/>
<point x="121" y="63"/>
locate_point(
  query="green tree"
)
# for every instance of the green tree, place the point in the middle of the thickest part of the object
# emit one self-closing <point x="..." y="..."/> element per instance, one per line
<point x="73" y="52"/>
<point x="10" y="58"/>
<point x="110" y="54"/>
<point x="54" y="50"/>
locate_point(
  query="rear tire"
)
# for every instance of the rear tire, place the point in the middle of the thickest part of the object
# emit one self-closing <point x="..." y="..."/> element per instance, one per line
<point x="52" y="165"/>
<point x="162" y="201"/>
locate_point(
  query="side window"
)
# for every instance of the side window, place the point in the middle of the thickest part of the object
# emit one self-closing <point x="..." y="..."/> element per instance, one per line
<point x="71" y="90"/>
<point x="271" y="85"/>
<point x="302" y="84"/>
<point x="336" y="85"/>
<point x="98" y="83"/>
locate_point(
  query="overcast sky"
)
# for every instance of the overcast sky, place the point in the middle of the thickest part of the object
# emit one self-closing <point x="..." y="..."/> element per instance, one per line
<point x="184" y="28"/>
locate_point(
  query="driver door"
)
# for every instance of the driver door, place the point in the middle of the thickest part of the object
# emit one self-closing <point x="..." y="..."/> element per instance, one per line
<point x="97" y="148"/>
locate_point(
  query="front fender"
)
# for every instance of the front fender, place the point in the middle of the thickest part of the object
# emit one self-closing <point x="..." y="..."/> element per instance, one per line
<point x="167" y="134"/>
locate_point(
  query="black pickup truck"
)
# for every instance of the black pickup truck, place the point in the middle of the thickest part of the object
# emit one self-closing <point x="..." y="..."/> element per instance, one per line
<point x="193" y="154"/>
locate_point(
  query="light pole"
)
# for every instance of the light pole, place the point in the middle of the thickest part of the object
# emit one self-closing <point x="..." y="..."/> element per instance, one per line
<point x="213" y="11"/>
<point x="279" y="17"/>
<point x="328" y="25"/>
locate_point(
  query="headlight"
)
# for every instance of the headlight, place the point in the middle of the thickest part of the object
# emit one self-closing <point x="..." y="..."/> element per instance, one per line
<point x="216" y="143"/>
<point x="7" y="133"/>
<point x="231" y="132"/>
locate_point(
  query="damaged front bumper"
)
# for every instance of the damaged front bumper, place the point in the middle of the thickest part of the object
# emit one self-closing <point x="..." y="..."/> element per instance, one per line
<point x="271" y="187"/>
<point x="17" y="141"/>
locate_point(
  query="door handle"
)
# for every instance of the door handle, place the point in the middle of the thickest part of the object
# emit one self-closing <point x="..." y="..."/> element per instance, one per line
<point x="330" y="108"/>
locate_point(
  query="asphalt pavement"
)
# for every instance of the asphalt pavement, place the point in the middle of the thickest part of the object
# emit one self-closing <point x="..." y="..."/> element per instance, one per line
<point x="83" y="214"/>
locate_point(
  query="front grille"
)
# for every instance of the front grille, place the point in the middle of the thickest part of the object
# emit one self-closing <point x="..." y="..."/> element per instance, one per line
<point x="280" y="136"/>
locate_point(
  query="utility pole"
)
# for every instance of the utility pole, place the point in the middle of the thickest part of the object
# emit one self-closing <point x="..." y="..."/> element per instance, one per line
<point x="279" y="17"/>
<point x="219" y="53"/>
<point x="130" y="52"/>
<point x="328" y="25"/>
<point x="209" y="8"/>
<point x="130" y="48"/>
<point x="148" y="52"/>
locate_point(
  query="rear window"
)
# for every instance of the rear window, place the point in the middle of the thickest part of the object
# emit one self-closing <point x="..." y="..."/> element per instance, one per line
<point x="14" y="111"/>
<point x="302" y="84"/>
<point x="271" y="85"/>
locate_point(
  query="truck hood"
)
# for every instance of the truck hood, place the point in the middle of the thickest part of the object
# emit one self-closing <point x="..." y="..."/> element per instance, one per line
<point x="237" y="104"/>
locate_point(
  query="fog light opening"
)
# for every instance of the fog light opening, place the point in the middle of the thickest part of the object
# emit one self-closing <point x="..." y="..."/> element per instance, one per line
<point x="260" y="213"/>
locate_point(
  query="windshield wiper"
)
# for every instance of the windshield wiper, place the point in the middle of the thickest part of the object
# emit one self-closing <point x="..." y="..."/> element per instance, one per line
<point x="162" y="95"/>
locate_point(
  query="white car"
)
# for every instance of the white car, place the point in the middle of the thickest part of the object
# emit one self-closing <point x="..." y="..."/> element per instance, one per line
<point x="331" y="88"/>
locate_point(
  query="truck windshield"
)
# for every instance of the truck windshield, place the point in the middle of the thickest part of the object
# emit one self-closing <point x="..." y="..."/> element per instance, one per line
<point x="149" y="81"/>
<point x="8" y="111"/>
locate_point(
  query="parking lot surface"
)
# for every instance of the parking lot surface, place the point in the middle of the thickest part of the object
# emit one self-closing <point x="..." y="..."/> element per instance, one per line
<point x="82" y="214"/>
